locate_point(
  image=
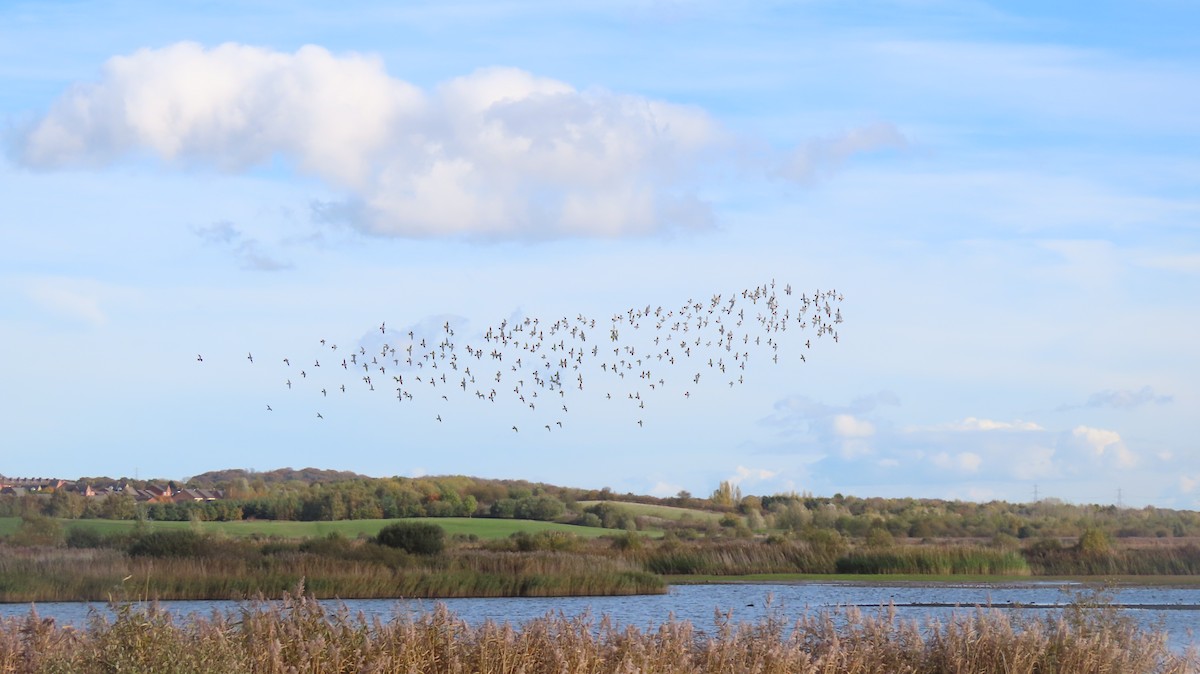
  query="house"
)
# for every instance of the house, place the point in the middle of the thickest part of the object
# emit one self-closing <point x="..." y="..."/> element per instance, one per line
<point x="149" y="494"/>
<point x="184" y="495"/>
<point x="32" y="484"/>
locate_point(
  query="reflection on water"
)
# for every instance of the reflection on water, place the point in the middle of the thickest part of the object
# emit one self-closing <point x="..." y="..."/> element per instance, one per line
<point x="1175" y="610"/>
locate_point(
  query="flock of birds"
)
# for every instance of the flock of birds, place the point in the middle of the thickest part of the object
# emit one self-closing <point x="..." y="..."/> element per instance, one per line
<point x="635" y="357"/>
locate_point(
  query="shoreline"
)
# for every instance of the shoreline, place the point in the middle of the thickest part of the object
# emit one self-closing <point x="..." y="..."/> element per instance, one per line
<point x="912" y="580"/>
<point x="1081" y="582"/>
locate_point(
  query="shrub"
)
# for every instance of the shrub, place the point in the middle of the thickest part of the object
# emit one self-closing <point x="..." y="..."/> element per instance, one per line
<point x="879" y="538"/>
<point x="83" y="537"/>
<point x="330" y="545"/>
<point x="1093" y="542"/>
<point x="418" y="538"/>
<point x="627" y="541"/>
<point x="181" y="543"/>
<point x="589" y="520"/>
<point x="523" y="541"/>
<point x="1006" y="542"/>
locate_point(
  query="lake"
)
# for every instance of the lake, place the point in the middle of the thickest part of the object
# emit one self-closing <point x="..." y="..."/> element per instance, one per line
<point x="1175" y="610"/>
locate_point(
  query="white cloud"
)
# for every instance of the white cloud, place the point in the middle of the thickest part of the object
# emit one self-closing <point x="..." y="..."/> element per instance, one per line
<point x="496" y="153"/>
<point x="847" y="426"/>
<point x="663" y="489"/>
<point x="966" y="462"/>
<point x="1101" y="442"/>
<point x="744" y="474"/>
<point x="233" y="105"/>
<point x="975" y="424"/>
<point x="1188" y="483"/>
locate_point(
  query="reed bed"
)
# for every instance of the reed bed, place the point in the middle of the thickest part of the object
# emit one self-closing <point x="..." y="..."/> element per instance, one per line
<point x="49" y="574"/>
<point x="938" y="560"/>
<point x="1178" y="560"/>
<point x="300" y="634"/>
<point x="736" y="558"/>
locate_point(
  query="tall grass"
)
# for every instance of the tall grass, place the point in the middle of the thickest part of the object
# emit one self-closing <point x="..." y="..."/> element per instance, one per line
<point x="1176" y="560"/>
<point x="736" y="558"/>
<point x="301" y="634"/>
<point x="938" y="560"/>
<point x="361" y="570"/>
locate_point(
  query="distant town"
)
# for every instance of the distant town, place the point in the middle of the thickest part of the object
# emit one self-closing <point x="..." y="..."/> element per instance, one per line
<point x="150" y="493"/>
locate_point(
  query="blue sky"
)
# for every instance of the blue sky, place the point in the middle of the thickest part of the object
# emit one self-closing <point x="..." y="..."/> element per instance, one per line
<point x="1005" y="196"/>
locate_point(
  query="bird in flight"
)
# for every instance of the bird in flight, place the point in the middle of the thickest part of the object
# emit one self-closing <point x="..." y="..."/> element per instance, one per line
<point x="547" y="357"/>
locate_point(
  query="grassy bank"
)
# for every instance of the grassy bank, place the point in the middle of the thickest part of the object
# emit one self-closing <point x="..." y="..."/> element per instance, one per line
<point x="94" y="560"/>
<point x="481" y="528"/>
<point x="300" y="634"/>
<point x="662" y="512"/>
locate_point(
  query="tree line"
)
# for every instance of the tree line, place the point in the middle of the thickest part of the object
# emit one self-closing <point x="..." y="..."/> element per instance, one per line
<point x="318" y="495"/>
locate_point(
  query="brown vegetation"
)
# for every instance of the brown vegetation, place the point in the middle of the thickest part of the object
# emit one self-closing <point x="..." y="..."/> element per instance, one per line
<point x="300" y="634"/>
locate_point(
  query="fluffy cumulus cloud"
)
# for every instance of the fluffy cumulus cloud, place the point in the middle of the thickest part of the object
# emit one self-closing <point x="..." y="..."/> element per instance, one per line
<point x="1017" y="449"/>
<point x="848" y="426"/>
<point x="866" y="450"/>
<point x="496" y="153"/>
<point x="847" y="429"/>
<point x="1105" y="445"/>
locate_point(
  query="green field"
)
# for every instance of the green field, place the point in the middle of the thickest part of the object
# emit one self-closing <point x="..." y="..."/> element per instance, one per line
<point x="485" y="529"/>
<point x="661" y="511"/>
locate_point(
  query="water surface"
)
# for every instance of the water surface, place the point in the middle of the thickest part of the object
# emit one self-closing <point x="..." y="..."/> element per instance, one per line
<point x="1172" y="609"/>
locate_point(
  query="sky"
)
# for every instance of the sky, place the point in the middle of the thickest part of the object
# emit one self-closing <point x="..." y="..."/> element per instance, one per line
<point x="1000" y="202"/>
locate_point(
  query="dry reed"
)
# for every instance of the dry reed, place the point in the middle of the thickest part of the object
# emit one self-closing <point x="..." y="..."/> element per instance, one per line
<point x="299" y="634"/>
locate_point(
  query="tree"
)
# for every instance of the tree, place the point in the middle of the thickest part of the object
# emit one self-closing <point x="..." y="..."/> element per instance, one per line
<point x="66" y="505"/>
<point x="793" y="516"/>
<point x="120" y="506"/>
<point x="726" y="495"/>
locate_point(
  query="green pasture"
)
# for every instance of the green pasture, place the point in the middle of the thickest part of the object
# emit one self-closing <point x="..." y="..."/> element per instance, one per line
<point x="661" y="511"/>
<point x="485" y="529"/>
